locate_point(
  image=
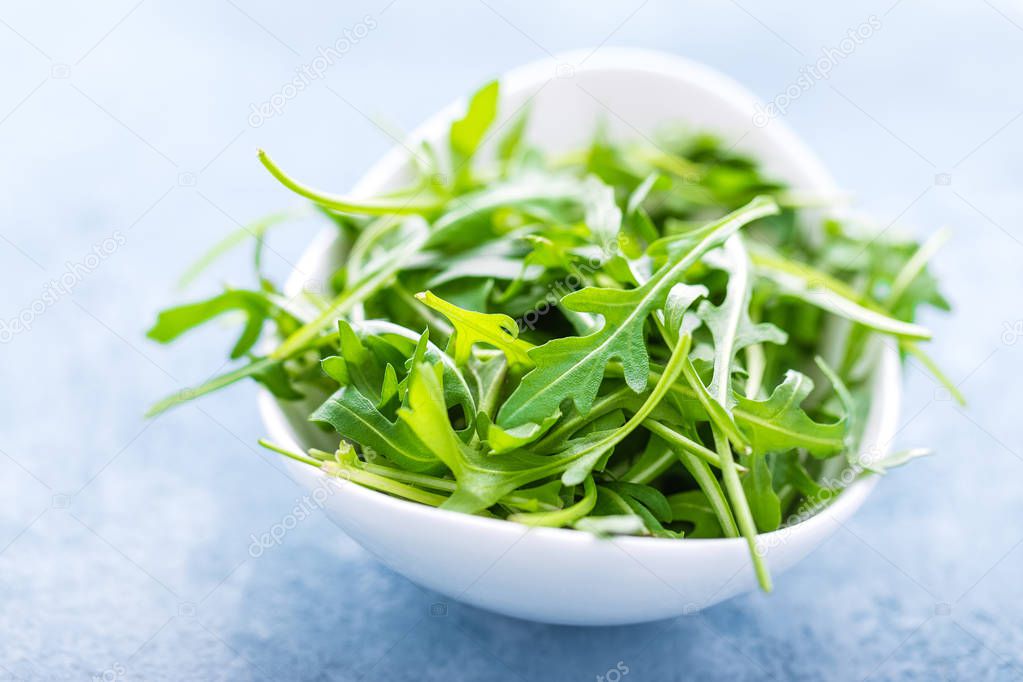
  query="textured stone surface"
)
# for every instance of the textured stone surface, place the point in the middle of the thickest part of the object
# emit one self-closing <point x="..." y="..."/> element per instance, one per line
<point x="124" y="544"/>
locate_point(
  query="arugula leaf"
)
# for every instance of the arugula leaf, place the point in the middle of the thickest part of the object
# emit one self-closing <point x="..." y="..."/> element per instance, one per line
<point x="656" y="458"/>
<point x="471" y="217"/>
<point x="932" y="367"/>
<point x="765" y="505"/>
<point x="603" y="217"/>
<point x="586" y="459"/>
<point x="649" y="497"/>
<point x="505" y="440"/>
<point x="468" y="132"/>
<point x="573" y="368"/>
<point x="897" y="459"/>
<point x="173" y="322"/>
<point x="511" y="144"/>
<point x="609" y="347"/>
<point x="692" y="507"/>
<point x="499" y="331"/>
<point x="633" y="499"/>
<point x="823" y="291"/>
<point x="730" y="323"/>
<point x="778" y="424"/>
<point x="357" y="418"/>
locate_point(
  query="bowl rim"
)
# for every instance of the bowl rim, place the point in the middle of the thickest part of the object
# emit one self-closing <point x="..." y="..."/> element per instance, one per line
<point x="885" y="389"/>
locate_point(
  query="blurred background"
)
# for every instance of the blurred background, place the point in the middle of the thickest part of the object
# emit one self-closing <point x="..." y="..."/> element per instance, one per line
<point x="128" y="132"/>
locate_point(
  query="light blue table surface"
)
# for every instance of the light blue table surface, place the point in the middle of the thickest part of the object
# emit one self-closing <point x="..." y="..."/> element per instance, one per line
<point x="124" y="543"/>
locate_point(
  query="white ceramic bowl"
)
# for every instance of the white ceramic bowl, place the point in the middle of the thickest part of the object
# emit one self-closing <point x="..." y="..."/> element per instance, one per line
<point x="557" y="575"/>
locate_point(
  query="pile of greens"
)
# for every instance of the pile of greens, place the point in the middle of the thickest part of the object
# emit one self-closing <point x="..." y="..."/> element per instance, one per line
<point x="635" y="338"/>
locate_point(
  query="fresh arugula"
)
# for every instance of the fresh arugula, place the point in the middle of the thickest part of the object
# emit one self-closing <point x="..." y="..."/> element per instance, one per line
<point x="623" y="340"/>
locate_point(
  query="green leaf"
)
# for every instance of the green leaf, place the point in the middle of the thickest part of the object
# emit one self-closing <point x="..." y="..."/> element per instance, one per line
<point x="501" y="440"/>
<point x="426" y="416"/>
<point x="897" y="459"/>
<point x="637" y="220"/>
<point x="572" y="368"/>
<point x="856" y="411"/>
<point x="763" y="501"/>
<point x="615" y="499"/>
<point x="470" y="218"/>
<point x="355" y="417"/>
<point x="389" y="387"/>
<point x="587" y="458"/>
<point x="718" y="414"/>
<point x="680" y="299"/>
<point x="825" y="292"/>
<point x="499" y="331"/>
<point x="648" y="496"/>
<point x="468" y="132"/>
<point x="511" y="144"/>
<point x="544" y="497"/>
<point x="278" y="381"/>
<point x="692" y="507"/>
<point x="779" y="424"/>
<point x="356" y="364"/>
<point x="487" y="380"/>
<point x="655" y="459"/>
<point x="173" y="322"/>
<point x="603" y="217"/>
<point x="482" y="481"/>
<point x="730" y="323"/>
<point x="913" y="284"/>
<point x="456" y="388"/>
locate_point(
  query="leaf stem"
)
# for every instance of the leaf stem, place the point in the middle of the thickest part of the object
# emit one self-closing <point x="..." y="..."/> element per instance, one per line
<point x="933" y="368"/>
<point x="562" y="517"/>
<point x="357" y="474"/>
<point x="386" y="206"/>
<point x="288" y="453"/>
<point x="444" y="484"/>
<point x="736" y="299"/>
<point x="690" y="446"/>
<point x="705" y="478"/>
